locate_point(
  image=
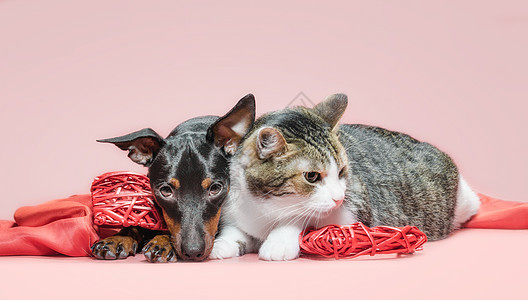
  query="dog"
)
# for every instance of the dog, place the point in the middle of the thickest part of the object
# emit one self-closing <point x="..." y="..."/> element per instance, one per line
<point x="189" y="177"/>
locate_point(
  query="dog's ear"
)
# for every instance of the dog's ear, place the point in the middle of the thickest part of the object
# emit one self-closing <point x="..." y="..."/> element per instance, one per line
<point x="142" y="145"/>
<point x="228" y="131"/>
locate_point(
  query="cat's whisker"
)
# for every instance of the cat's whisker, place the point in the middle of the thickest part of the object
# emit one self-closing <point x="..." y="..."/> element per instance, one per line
<point x="298" y="217"/>
<point x="280" y="209"/>
<point x="291" y="219"/>
<point x="291" y="215"/>
<point x="307" y="220"/>
<point x="318" y="218"/>
<point x="283" y="216"/>
<point x="311" y="218"/>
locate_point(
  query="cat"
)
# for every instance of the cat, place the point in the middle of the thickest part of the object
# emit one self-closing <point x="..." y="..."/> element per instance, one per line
<point x="299" y="168"/>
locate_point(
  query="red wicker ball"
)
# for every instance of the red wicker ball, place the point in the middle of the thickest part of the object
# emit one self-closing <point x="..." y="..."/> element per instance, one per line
<point x="122" y="199"/>
<point x="350" y="241"/>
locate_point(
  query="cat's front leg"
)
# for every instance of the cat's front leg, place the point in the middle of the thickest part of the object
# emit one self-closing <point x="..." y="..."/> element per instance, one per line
<point x="282" y="244"/>
<point x="231" y="242"/>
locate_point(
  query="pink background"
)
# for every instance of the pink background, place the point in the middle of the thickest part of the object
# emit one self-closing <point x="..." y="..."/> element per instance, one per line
<point x="453" y="73"/>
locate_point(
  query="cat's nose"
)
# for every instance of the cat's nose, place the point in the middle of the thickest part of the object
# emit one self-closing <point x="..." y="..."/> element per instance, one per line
<point x="339" y="201"/>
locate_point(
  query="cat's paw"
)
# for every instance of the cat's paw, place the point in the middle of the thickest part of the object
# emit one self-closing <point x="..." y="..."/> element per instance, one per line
<point x="279" y="249"/>
<point x="223" y="248"/>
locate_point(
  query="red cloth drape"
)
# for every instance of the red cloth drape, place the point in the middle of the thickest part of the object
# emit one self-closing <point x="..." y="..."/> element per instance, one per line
<point x="499" y="214"/>
<point x="61" y="226"/>
<point x="65" y="226"/>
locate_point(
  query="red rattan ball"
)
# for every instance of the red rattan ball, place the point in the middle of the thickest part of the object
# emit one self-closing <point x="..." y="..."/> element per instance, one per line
<point x="349" y="241"/>
<point x="122" y="199"/>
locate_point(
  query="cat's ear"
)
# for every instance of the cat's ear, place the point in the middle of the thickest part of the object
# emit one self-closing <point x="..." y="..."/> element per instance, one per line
<point x="270" y="142"/>
<point x="332" y="109"/>
<point x="142" y="145"/>
<point x="227" y="131"/>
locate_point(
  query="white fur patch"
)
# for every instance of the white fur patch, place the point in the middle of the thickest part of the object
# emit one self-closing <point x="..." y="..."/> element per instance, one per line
<point x="467" y="205"/>
<point x="230" y="147"/>
<point x="282" y="244"/>
<point x="228" y="244"/>
<point x="138" y="157"/>
<point x="241" y="127"/>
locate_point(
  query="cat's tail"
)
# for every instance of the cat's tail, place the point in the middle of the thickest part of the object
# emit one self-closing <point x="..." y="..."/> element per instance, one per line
<point x="467" y="203"/>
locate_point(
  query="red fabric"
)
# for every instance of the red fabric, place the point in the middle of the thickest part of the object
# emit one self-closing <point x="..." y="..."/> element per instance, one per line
<point x="65" y="226"/>
<point x="56" y="227"/>
<point x="500" y="214"/>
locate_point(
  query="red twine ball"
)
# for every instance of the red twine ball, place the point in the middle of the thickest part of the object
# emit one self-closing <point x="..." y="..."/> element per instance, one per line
<point x="350" y="241"/>
<point x="125" y="199"/>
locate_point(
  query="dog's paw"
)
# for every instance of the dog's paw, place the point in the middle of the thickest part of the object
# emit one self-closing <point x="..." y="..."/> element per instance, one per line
<point x="225" y="249"/>
<point x="114" y="247"/>
<point x="279" y="249"/>
<point x="159" y="250"/>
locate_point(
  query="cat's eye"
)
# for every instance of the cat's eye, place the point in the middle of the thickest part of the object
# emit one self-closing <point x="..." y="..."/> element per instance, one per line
<point x="342" y="172"/>
<point x="312" y="177"/>
<point x="166" y="191"/>
<point x="215" y="189"/>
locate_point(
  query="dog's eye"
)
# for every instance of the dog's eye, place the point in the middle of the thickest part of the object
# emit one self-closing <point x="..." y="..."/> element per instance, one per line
<point x="166" y="191"/>
<point x="215" y="189"/>
<point x="312" y="177"/>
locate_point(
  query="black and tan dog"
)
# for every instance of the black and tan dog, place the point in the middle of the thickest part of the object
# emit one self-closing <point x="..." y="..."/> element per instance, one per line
<point x="189" y="176"/>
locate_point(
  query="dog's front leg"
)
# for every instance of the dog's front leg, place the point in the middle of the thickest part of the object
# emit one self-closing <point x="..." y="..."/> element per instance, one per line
<point x="121" y="245"/>
<point x="160" y="249"/>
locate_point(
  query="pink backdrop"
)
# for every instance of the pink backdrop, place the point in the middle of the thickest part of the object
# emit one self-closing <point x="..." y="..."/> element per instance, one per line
<point x="453" y="73"/>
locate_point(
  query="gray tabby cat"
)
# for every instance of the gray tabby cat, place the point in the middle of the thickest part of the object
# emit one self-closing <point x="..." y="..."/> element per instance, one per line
<point x="298" y="168"/>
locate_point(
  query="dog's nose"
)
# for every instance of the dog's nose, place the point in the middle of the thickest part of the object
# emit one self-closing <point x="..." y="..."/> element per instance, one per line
<point x="193" y="252"/>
